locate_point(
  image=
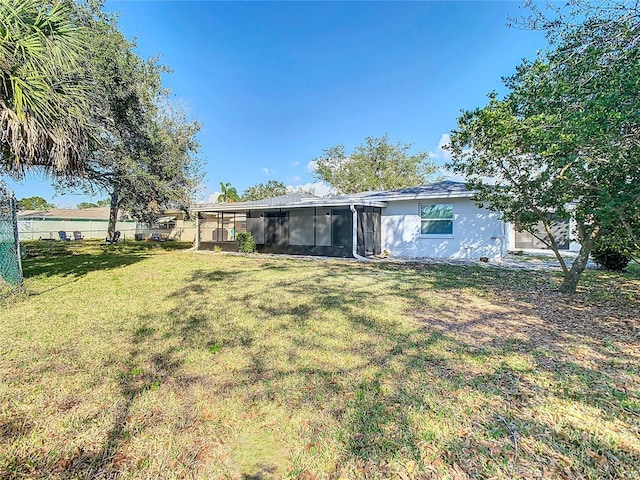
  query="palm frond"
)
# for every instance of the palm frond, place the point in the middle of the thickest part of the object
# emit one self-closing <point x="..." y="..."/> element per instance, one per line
<point x="45" y="96"/>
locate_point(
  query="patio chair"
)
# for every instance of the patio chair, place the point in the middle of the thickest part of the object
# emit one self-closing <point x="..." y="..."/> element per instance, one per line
<point x="114" y="239"/>
<point x="77" y="236"/>
<point x="63" y="236"/>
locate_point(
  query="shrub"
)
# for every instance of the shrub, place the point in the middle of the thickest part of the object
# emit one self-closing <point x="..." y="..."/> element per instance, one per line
<point x="610" y="258"/>
<point x="246" y="243"/>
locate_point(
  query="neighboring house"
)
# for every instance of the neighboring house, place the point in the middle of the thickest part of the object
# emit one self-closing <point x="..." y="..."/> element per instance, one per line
<point x="173" y="225"/>
<point x="439" y="220"/>
<point x="91" y="222"/>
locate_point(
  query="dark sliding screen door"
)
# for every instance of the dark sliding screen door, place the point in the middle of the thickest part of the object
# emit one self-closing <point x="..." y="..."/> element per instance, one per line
<point x="341" y="234"/>
<point x="277" y="228"/>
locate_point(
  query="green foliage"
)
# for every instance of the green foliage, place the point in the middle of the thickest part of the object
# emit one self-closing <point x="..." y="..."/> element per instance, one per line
<point x="246" y="243"/>
<point x="34" y="203"/>
<point x="563" y="141"/>
<point x="100" y="203"/>
<point x="84" y="205"/>
<point x="272" y="188"/>
<point x="46" y="95"/>
<point x="229" y="193"/>
<point x="377" y="164"/>
<point x="610" y="258"/>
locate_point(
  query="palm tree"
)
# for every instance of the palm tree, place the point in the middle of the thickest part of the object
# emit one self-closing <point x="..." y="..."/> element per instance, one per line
<point x="229" y="193"/>
<point x="45" y="95"/>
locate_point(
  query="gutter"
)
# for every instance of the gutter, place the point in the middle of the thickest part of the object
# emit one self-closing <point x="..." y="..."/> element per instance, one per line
<point x="244" y="206"/>
<point x="354" y="243"/>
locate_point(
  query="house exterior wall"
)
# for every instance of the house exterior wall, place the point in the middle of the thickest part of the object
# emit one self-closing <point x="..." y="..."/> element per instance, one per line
<point x="477" y="232"/>
<point x="182" y="230"/>
<point x="572" y="235"/>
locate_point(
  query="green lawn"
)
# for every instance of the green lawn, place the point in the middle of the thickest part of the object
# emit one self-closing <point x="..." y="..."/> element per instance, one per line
<point x="139" y="361"/>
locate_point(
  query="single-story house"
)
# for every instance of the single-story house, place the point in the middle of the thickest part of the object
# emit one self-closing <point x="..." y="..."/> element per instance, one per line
<point x="91" y="222"/>
<point x="172" y="225"/>
<point x="94" y="222"/>
<point x="440" y="220"/>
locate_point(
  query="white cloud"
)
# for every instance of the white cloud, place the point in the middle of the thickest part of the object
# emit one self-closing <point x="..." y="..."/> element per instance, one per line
<point x="440" y="154"/>
<point x="213" y="198"/>
<point x="295" y="164"/>
<point x="265" y="170"/>
<point x="297" y="178"/>
<point x="320" y="189"/>
<point x="454" y="177"/>
<point x="311" y="166"/>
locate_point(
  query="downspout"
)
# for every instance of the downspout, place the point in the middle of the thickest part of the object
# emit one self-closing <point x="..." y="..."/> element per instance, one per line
<point x="354" y="246"/>
<point x="504" y="247"/>
<point x="197" y="230"/>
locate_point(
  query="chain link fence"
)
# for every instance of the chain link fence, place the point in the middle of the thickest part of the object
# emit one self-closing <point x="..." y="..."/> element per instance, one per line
<point x="10" y="266"/>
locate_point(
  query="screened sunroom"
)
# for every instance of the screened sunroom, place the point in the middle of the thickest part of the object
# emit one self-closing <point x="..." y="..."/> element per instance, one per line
<point x="295" y="224"/>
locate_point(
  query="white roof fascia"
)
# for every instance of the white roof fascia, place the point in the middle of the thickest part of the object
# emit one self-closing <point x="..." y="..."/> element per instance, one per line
<point x="428" y="196"/>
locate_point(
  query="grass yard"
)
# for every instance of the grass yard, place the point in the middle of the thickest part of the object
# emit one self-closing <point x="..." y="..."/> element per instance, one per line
<point x="143" y="362"/>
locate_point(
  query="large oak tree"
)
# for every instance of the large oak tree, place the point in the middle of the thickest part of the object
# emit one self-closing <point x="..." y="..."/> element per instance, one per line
<point x="145" y="158"/>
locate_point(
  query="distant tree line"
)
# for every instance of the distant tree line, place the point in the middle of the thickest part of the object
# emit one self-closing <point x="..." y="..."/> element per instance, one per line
<point x="34" y="203"/>
<point x="260" y="191"/>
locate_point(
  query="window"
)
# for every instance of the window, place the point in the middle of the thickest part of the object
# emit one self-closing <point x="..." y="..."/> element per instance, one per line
<point x="436" y="219"/>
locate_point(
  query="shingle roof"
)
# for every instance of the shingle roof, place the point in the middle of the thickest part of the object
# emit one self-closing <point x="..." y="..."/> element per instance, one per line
<point x="445" y="188"/>
<point x="281" y="200"/>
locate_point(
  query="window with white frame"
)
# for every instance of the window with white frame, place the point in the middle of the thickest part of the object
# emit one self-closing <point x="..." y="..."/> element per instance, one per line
<point x="436" y="219"/>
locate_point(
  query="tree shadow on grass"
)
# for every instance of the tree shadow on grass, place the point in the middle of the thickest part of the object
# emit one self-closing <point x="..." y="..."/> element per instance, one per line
<point x="75" y="266"/>
<point x="143" y="370"/>
<point x="439" y="350"/>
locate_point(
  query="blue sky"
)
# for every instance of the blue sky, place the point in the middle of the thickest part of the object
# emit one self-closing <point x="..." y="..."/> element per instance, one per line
<point x="275" y="83"/>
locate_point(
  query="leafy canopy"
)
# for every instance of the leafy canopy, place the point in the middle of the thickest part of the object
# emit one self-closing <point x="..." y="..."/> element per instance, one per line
<point x="146" y="158"/>
<point x="34" y="203"/>
<point x="376" y="164"/>
<point x="273" y="188"/>
<point x="563" y="142"/>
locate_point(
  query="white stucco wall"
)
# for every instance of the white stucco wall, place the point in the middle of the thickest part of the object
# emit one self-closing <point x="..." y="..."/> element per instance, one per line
<point x="477" y="232"/>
